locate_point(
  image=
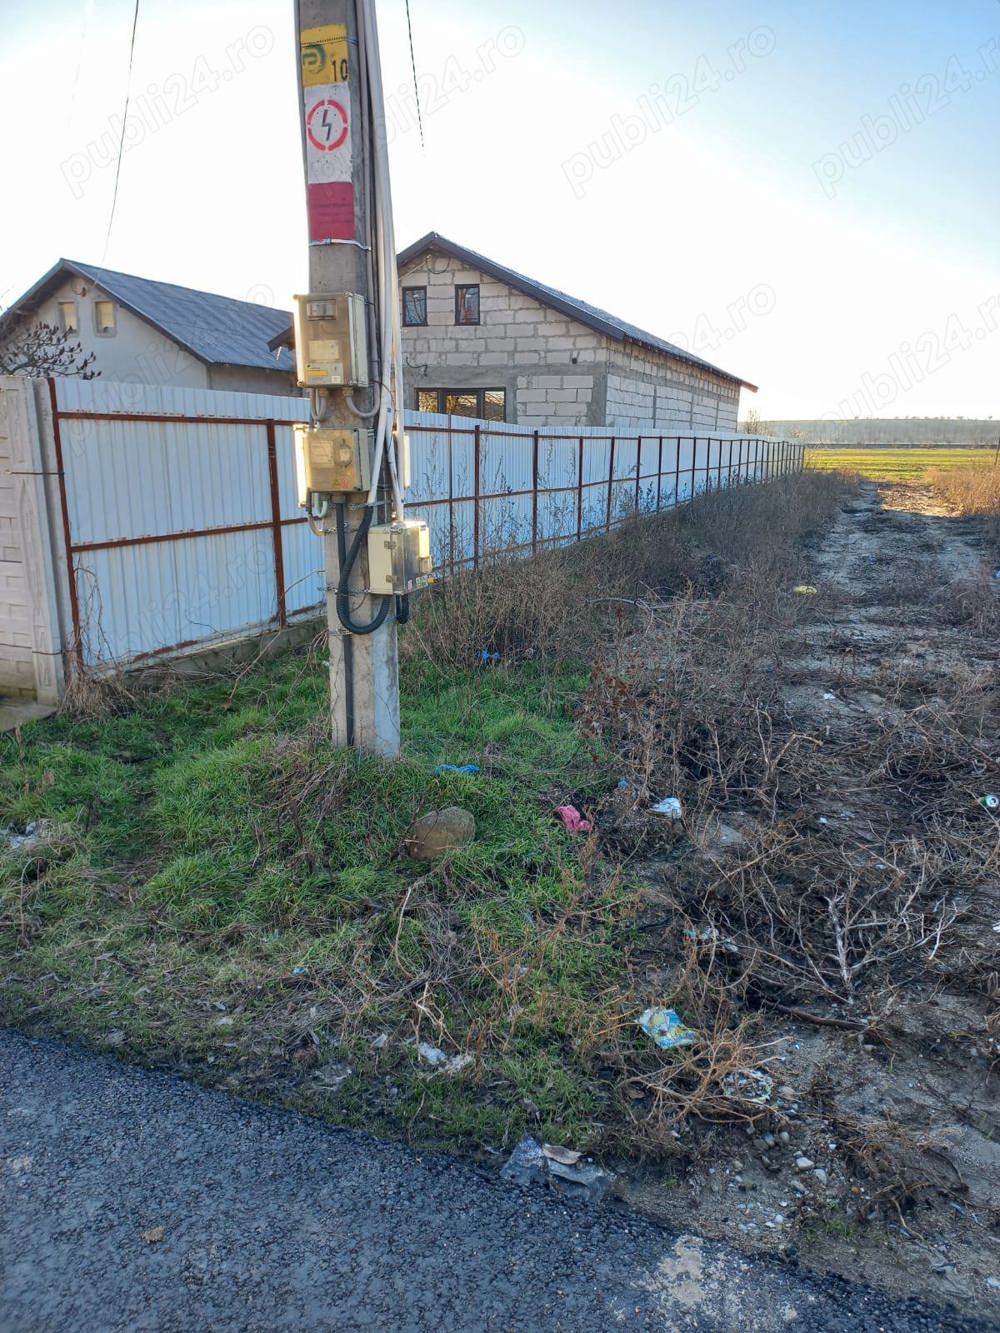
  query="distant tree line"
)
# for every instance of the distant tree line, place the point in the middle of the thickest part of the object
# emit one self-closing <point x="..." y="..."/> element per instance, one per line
<point x="917" y="432"/>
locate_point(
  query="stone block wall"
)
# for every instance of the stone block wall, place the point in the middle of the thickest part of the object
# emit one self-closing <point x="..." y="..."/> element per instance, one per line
<point x="651" y="393"/>
<point x="555" y="371"/>
<point x="551" y="368"/>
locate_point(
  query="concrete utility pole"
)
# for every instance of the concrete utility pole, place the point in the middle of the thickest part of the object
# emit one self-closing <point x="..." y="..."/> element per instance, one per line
<point x="337" y="137"/>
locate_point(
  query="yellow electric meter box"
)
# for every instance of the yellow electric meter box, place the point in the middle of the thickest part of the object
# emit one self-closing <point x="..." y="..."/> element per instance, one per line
<point x="399" y="558"/>
<point x="331" y="462"/>
<point x="331" y="345"/>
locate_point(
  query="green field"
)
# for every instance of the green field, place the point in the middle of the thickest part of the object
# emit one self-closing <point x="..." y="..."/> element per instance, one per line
<point x="896" y="464"/>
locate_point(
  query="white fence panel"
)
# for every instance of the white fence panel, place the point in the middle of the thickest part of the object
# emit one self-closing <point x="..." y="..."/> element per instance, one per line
<point x="183" y="518"/>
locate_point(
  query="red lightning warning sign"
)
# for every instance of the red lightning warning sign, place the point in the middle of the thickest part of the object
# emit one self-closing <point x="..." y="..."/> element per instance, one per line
<point x="329" y="161"/>
<point x="327" y="125"/>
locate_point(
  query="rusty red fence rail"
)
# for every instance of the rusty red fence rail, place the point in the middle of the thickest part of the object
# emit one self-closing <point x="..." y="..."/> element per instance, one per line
<point x="715" y="462"/>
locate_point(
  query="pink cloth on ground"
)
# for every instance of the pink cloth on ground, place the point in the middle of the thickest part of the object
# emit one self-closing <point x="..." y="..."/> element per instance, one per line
<point x="574" y="821"/>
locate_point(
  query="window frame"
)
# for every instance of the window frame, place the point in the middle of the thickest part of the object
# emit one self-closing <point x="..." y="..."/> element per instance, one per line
<point x="468" y="287"/>
<point x="413" y="323"/>
<point x="75" y="326"/>
<point x="112" y="331"/>
<point x="442" y="396"/>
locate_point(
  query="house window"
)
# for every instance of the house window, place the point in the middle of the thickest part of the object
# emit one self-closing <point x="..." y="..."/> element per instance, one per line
<point x="414" y="306"/>
<point x="104" y="318"/>
<point x="486" y="404"/>
<point x="68" y="317"/>
<point x="467" y="304"/>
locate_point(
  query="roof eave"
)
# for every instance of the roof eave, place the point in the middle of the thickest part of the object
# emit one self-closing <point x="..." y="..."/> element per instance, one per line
<point x="38" y="291"/>
<point x="50" y="282"/>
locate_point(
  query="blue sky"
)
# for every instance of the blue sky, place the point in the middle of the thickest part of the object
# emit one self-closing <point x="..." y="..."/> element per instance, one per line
<point x="804" y="193"/>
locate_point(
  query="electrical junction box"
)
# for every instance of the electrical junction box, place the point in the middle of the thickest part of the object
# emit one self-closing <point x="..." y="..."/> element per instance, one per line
<point x="331" y="344"/>
<point x="399" y="558"/>
<point x="332" y="462"/>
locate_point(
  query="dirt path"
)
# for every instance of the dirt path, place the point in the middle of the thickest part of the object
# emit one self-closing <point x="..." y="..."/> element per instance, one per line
<point x="890" y="673"/>
<point x="881" y="569"/>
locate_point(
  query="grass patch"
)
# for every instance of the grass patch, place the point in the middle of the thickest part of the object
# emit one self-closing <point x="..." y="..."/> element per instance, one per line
<point x="228" y="894"/>
<point x="231" y="897"/>
<point x="901" y="465"/>
<point x="970" y="490"/>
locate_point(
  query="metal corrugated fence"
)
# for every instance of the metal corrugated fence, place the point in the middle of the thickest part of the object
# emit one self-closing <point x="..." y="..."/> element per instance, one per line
<point x="181" y="524"/>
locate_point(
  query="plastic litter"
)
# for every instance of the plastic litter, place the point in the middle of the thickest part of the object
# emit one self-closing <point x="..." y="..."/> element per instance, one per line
<point x="300" y="970"/>
<point x="669" y="806"/>
<point x="488" y="657"/>
<point x="457" y="768"/>
<point x="527" y="1164"/>
<point x="36" y="834"/>
<point x="623" y="783"/>
<point x="438" y="1059"/>
<point x="750" y="1085"/>
<point x="530" y="1163"/>
<point x="567" y="1156"/>
<point x="990" y="801"/>
<point x="805" y="590"/>
<point x="828" y="695"/>
<point x="586" y="1184"/>
<point x="709" y="935"/>
<point x="572" y="819"/>
<point x="666" y="1029"/>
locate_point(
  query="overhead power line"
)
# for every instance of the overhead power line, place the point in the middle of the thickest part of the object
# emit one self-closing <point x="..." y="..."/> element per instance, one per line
<point x="121" y="140"/>
<point x="413" y="67"/>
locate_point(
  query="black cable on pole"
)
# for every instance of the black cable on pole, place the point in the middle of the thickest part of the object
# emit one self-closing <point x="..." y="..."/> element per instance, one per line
<point x="121" y="141"/>
<point x="340" y="519"/>
<point x="344" y="592"/>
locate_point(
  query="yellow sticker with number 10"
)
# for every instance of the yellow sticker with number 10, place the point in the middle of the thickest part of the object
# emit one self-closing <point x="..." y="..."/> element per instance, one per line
<point x="324" y="55"/>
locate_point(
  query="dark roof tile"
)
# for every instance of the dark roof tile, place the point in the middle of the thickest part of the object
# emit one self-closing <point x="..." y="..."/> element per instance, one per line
<point x="218" y="330"/>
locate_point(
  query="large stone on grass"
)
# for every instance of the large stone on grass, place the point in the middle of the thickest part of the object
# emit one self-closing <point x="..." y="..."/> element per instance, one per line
<point x="439" y="832"/>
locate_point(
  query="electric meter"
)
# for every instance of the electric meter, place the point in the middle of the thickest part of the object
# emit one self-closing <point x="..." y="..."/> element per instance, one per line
<point x="331" y="462"/>
<point x="399" y="558"/>
<point x="331" y="345"/>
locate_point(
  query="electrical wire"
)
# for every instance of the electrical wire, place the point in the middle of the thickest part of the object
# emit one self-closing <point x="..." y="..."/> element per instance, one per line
<point x="121" y="141"/>
<point x="343" y="588"/>
<point x="390" y="419"/>
<point x="348" y="641"/>
<point x="385" y="286"/>
<point x="413" y="67"/>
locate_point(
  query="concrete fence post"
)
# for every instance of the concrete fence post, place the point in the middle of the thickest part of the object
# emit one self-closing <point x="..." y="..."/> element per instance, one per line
<point x="31" y="665"/>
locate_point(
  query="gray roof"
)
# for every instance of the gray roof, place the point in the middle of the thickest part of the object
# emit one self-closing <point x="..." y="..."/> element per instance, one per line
<point x="590" y="315"/>
<point x="218" y="330"/>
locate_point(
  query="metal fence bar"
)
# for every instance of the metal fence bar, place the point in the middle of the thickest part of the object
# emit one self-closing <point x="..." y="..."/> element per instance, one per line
<point x="281" y="606"/>
<point x="534" y="491"/>
<point x="74" y="594"/>
<point x="263" y="513"/>
<point x="579" y="493"/>
<point x="476" y="497"/>
<point x="611" y="481"/>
